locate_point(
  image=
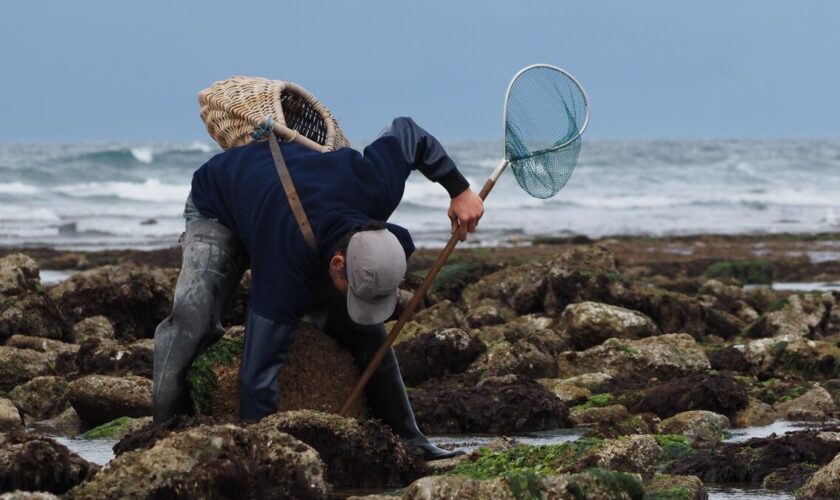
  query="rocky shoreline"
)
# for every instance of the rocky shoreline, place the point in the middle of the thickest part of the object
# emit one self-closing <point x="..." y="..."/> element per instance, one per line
<point x="653" y="349"/>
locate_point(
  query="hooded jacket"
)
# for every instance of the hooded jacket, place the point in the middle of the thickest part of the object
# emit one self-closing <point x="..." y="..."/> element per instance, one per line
<point x="339" y="191"/>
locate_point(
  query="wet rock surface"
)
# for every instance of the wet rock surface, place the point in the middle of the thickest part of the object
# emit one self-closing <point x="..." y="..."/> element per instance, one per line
<point x="29" y="462"/>
<point x="506" y="404"/>
<point x="663" y="357"/>
<point x="437" y="354"/>
<point x="105" y="356"/>
<point x="357" y="453"/>
<point x="18" y="366"/>
<point x="101" y="398"/>
<point x="42" y="397"/>
<point x="134" y="299"/>
<point x="9" y="416"/>
<point x="716" y="393"/>
<point x="223" y="461"/>
<point x="589" y="324"/>
<point x="753" y="460"/>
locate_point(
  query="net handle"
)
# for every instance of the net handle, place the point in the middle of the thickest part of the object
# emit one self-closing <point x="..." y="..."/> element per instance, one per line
<point x="570" y="77"/>
<point x="418" y="297"/>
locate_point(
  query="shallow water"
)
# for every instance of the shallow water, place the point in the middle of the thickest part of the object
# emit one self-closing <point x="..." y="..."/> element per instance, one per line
<point x="54" y="277"/>
<point x="801" y="286"/>
<point x="98" y="451"/>
<point x="739" y="493"/>
<point x="779" y="428"/>
<point x="469" y="443"/>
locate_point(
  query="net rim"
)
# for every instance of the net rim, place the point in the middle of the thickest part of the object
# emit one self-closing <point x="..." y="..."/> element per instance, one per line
<point x="568" y="75"/>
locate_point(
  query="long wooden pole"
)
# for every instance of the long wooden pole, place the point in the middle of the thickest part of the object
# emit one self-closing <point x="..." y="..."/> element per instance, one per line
<point x="408" y="312"/>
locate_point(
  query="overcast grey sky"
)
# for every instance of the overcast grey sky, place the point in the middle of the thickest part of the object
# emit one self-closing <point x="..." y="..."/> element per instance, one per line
<point x="116" y="70"/>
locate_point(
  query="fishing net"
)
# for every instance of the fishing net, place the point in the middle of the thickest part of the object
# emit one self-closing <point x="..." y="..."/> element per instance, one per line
<point x="545" y="114"/>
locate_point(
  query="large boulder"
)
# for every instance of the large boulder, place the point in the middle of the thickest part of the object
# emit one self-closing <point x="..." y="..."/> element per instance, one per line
<point x="757" y="413"/>
<point x="357" y="453"/>
<point x="800" y="316"/>
<point x="24" y="308"/>
<point x="437" y="354"/>
<point x="496" y="405"/>
<point x="42" y="397"/>
<point x="93" y="327"/>
<point x="319" y="375"/>
<point x="520" y="357"/>
<point x="60" y="354"/>
<point x="752" y="461"/>
<point x="30" y="462"/>
<point x="825" y="483"/>
<point x="816" y="404"/>
<point x="222" y="461"/>
<point x="610" y="421"/>
<point x="671" y="311"/>
<point x="444" y="314"/>
<point x="664" y="357"/>
<point x="636" y="453"/>
<point x="102" y="398"/>
<point x="18" y="366"/>
<point x="32" y="313"/>
<point x="134" y="299"/>
<point x="716" y="393"/>
<point x="596" y="483"/>
<point x="525" y="287"/>
<point x="799" y="357"/>
<point x="703" y="428"/>
<point x="590" y="323"/>
<point x="19" y="273"/>
<point x="9" y="416"/>
<point x="105" y="356"/>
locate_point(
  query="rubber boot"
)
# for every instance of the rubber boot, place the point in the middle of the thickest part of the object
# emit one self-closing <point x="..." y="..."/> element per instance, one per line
<point x="266" y="349"/>
<point x="389" y="401"/>
<point x="212" y="265"/>
<point x="385" y="391"/>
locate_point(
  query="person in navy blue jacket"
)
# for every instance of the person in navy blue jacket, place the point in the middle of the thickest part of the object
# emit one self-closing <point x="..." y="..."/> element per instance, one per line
<point x="238" y="215"/>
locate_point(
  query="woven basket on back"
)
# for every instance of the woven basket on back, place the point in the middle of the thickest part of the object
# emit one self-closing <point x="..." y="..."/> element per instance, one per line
<point x="237" y="110"/>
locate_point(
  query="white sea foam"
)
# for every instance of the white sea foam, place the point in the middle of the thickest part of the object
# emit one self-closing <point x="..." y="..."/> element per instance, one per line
<point x="151" y="190"/>
<point x="143" y="154"/>
<point x="24" y="213"/>
<point x="201" y="147"/>
<point x="17" y="188"/>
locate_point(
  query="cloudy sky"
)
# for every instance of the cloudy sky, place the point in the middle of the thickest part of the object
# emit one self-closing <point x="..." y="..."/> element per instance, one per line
<point x="129" y="71"/>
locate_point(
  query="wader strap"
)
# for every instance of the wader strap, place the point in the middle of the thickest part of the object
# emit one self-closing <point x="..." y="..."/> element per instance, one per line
<point x="291" y="193"/>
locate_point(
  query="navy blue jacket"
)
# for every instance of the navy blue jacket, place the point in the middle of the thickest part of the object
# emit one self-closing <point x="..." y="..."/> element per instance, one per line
<point x="338" y="190"/>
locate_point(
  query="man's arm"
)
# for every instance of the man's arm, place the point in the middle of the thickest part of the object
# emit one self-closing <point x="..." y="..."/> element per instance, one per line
<point x="421" y="150"/>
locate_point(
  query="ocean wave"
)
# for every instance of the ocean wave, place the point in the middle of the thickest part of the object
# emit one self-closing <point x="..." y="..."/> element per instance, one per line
<point x="17" y="188"/>
<point x="24" y="213"/>
<point x="151" y="190"/>
<point x="143" y="155"/>
<point x="755" y="199"/>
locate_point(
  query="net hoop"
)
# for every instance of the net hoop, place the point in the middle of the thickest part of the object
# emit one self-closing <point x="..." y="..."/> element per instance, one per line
<point x="570" y="77"/>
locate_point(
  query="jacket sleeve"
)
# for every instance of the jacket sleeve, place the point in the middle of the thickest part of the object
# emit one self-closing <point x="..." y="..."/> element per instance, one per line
<point x="418" y="149"/>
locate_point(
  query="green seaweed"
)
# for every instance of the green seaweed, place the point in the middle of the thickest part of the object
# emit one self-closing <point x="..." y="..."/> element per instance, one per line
<point x="757" y="271"/>
<point x="452" y="278"/>
<point x="519" y="459"/>
<point x="202" y="377"/>
<point x="595" y="401"/>
<point x="109" y="429"/>
<point x="617" y="484"/>
<point x="673" y="446"/>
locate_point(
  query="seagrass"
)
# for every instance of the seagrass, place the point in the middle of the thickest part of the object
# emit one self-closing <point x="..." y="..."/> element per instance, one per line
<point x="237" y="109"/>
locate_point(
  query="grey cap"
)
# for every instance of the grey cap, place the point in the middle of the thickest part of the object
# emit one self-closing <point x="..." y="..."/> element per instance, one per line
<point x="375" y="268"/>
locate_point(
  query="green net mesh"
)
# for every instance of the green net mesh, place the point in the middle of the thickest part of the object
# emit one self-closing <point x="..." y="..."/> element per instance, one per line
<point x="546" y="110"/>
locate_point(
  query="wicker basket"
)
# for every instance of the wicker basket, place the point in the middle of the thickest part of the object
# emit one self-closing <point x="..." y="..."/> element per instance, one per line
<point x="237" y="111"/>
